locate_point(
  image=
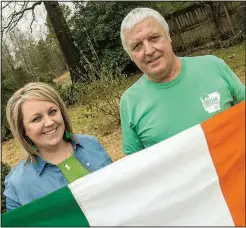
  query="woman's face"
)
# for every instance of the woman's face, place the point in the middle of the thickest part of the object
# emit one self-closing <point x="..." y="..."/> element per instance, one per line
<point x="43" y="123"/>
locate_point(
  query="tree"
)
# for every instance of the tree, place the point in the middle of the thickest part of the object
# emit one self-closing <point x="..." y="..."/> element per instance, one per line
<point x="13" y="77"/>
<point x="26" y="60"/>
<point x="70" y="52"/>
<point x="66" y="42"/>
<point x="97" y="29"/>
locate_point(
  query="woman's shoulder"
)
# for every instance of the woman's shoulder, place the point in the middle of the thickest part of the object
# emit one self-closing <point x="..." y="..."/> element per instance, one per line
<point x="86" y="138"/>
<point x="19" y="171"/>
<point x="93" y="152"/>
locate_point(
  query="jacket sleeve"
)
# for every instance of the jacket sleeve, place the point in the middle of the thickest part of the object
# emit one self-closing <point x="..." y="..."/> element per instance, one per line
<point x="130" y="140"/>
<point x="12" y="201"/>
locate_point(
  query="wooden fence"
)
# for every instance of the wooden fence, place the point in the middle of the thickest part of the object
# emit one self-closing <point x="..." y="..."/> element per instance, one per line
<point x="201" y="23"/>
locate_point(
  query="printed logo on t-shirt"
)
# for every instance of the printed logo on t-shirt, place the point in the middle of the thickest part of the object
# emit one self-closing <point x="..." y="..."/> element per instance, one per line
<point x="211" y="102"/>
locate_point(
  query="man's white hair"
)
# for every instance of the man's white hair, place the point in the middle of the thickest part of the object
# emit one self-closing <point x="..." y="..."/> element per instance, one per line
<point x="137" y="15"/>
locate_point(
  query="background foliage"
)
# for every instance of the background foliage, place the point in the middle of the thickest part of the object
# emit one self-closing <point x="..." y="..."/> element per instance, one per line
<point x="95" y="27"/>
<point x="5" y="168"/>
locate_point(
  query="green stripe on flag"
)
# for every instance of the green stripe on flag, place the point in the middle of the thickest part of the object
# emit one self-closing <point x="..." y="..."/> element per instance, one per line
<point x="56" y="209"/>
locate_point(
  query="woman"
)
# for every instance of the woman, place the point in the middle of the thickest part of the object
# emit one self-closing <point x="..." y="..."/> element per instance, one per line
<point x="55" y="156"/>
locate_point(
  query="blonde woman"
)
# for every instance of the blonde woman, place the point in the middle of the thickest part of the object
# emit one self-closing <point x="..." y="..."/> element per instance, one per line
<point x="56" y="156"/>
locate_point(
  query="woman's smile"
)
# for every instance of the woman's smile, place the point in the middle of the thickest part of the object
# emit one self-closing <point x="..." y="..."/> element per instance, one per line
<point x="51" y="132"/>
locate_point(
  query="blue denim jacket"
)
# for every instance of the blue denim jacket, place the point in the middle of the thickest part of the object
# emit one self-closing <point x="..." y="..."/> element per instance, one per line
<point x="31" y="181"/>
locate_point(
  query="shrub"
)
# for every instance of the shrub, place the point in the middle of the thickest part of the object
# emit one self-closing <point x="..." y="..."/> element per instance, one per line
<point x="5" y="170"/>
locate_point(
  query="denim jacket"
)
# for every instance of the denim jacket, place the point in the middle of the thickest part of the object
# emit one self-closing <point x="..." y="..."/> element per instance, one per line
<point x="30" y="181"/>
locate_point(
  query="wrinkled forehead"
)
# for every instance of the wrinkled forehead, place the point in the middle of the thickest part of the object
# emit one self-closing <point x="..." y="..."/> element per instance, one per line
<point x="143" y="29"/>
<point x="151" y="22"/>
<point x="131" y="22"/>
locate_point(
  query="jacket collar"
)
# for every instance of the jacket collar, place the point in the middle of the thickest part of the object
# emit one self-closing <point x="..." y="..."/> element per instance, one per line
<point x="40" y="165"/>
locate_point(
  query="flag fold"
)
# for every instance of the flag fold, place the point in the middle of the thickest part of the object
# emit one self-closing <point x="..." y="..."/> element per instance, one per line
<point x="195" y="178"/>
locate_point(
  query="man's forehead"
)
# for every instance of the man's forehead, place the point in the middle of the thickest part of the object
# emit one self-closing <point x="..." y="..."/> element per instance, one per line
<point x="150" y="22"/>
<point x="146" y="27"/>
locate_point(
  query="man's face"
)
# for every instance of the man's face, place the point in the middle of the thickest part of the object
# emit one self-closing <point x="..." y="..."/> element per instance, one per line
<point x="150" y="48"/>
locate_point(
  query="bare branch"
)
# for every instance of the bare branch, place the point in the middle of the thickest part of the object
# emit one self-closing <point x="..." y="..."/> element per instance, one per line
<point x="16" y="16"/>
<point x="6" y="5"/>
<point x="33" y="19"/>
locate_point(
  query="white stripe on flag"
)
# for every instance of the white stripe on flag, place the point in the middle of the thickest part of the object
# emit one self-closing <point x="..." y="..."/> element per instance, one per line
<point x="171" y="183"/>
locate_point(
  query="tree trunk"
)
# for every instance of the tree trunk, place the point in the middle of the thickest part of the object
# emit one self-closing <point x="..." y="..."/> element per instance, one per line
<point x="66" y="42"/>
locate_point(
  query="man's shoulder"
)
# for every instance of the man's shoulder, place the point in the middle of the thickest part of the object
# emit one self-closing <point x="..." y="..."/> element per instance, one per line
<point x="202" y="58"/>
<point x="133" y="89"/>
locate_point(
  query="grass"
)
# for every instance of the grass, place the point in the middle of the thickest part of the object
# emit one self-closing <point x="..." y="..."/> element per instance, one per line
<point x="63" y="79"/>
<point x="94" y="122"/>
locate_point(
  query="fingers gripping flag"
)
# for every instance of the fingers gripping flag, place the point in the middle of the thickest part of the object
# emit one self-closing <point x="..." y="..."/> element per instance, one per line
<point x="196" y="177"/>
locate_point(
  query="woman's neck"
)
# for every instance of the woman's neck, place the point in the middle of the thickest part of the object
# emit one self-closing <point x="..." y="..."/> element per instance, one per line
<point x="57" y="154"/>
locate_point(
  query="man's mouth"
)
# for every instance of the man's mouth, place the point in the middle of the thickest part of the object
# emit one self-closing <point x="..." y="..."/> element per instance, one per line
<point x="51" y="132"/>
<point x="153" y="60"/>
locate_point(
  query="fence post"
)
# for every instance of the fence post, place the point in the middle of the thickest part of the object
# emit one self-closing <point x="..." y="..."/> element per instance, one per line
<point x="215" y="11"/>
<point x="178" y="31"/>
<point x="228" y="17"/>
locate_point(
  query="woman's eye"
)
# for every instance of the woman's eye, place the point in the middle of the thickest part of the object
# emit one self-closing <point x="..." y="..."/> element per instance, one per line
<point x="53" y="112"/>
<point x="36" y="119"/>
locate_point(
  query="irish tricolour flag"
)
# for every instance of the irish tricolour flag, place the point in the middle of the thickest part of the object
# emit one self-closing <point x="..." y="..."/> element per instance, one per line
<point x="196" y="177"/>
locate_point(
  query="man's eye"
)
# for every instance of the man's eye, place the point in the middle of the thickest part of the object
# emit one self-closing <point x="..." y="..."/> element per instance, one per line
<point x="154" y="38"/>
<point x="53" y="112"/>
<point x="136" y="47"/>
<point x="36" y="119"/>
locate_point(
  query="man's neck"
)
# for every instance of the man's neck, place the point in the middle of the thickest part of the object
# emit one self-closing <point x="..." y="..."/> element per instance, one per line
<point x="171" y="73"/>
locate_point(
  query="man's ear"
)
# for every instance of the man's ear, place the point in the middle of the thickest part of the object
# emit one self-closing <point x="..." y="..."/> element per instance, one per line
<point x="169" y="38"/>
<point x="130" y="56"/>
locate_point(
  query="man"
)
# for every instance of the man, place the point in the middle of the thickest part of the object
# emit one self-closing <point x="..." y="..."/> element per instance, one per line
<point x="174" y="93"/>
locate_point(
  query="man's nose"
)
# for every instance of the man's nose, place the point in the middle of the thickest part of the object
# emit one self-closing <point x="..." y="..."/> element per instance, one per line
<point x="149" y="49"/>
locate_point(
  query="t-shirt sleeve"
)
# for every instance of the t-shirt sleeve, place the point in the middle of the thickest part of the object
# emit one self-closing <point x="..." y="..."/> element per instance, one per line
<point x="130" y="140"/>
<point x="236" y="86"/>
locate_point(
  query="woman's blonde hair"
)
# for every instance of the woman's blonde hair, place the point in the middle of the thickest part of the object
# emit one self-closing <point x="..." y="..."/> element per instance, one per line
<point x="34" y="90"/>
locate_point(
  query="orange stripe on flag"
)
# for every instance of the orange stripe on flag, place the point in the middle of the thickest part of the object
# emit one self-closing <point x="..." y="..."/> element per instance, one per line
<point x="225" y="134"/>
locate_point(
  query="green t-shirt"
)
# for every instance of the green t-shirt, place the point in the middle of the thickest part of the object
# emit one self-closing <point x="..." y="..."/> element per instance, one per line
<point x="151" y="112"/>
<point x="72" y="169"/>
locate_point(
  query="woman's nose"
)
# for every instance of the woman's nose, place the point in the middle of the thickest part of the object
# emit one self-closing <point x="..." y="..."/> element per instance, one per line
<point x="48" y="121"/>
